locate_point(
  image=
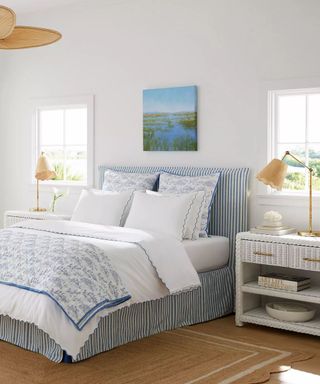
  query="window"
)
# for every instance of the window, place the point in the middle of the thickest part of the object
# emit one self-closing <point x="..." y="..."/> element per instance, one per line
<point x="294" y="122"/>
<point x="64" y="132"/>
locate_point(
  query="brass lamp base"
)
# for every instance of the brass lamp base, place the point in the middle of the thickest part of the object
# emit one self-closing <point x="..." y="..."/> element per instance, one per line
<point x="309" y="234"/>
<point x="38" y="210"/>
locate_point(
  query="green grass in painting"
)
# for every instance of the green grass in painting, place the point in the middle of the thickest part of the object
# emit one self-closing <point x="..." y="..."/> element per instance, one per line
<point x="189" y="120"/>
<point x="170" y="132"/>
<point x="184" y="144"/>
<point x="152" y="143"/>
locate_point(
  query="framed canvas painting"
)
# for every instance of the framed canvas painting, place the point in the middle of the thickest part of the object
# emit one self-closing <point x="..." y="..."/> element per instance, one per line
<point x="170" y="119"/>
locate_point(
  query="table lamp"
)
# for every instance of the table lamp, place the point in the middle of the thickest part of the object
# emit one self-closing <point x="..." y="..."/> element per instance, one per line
<point x="274" y="174"/>
<point x="44" y="171"/>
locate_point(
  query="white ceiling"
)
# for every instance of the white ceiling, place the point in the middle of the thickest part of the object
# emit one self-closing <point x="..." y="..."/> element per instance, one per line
<point x="23" y="6"/>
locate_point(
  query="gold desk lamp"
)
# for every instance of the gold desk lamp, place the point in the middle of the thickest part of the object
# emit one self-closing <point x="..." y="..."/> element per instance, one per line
<point x="274" y="174"/>
<point x="44" y="171"/>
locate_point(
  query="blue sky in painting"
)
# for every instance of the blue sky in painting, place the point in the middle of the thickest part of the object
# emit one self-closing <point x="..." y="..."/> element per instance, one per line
<point x="178" y="99"/>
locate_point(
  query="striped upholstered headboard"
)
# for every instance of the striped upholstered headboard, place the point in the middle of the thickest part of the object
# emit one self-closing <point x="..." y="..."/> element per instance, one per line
<point x="230" y="207"/>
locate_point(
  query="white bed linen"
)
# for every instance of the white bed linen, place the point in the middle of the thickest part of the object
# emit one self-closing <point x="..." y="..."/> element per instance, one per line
<point x="134" y="268"/>
<point x="207" y="254"/>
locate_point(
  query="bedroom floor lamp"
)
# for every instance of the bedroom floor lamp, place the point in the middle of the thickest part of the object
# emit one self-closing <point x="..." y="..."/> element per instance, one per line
<point x="44" y="171"/>
<point x="274" y="174"/>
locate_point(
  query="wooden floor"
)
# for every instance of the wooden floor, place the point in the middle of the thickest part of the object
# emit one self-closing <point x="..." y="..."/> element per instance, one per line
<point x="305" y="372"/>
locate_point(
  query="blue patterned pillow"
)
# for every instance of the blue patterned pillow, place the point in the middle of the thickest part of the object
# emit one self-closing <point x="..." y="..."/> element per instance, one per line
<point x="170" y="183"/>
<point x="124" y="181"/>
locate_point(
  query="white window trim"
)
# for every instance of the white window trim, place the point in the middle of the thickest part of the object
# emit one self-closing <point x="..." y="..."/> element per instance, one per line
<point x="272" y="143"/>
<point x="38" y="104"/>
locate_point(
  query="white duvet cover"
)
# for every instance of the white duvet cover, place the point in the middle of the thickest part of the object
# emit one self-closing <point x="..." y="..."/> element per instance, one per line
<point x="139" y="257"/>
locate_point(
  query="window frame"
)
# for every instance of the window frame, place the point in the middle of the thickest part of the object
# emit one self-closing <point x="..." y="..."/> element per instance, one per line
<point x="62" y="103"/>
<point x="273" y="134"/>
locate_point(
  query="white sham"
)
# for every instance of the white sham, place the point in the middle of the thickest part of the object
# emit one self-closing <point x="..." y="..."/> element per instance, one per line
<point x="170" y="183"/>
<point x="167" y="214"/>
<point x="102" y="207"/>
<point x="194" y="215"/>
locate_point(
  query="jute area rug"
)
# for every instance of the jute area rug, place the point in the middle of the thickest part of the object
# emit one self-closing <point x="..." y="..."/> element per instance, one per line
<point x="184" y="356"/>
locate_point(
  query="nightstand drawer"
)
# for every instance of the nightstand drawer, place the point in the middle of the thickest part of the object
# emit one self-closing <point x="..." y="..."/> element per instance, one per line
<point x="307" y="258"/>
<point x="261" y="252"/>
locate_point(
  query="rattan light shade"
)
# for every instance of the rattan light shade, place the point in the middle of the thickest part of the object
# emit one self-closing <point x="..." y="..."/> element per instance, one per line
<point x="12" y="37"/>
<point x="44" y="170"/>
<point x="7" y="21"/>
<point x="29" y="37"/>
<point x="273" y="174"/>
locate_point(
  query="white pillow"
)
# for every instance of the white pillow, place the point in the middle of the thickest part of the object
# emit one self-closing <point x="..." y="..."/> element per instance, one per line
<point x="100" y="207"/>
<point x="170" y="183"/>
<point x="194" y="216"/>
<point x="167" y="214"/>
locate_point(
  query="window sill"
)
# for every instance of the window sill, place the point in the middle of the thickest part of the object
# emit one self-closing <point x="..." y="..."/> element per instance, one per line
<point x="62" y="184"/>
<point x="48" y="187"/>
<point x="287" y="200"/>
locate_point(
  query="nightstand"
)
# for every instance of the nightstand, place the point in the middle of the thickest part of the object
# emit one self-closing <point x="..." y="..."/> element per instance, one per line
<point x="13" y="217"/>
<point x="290" y="254"/>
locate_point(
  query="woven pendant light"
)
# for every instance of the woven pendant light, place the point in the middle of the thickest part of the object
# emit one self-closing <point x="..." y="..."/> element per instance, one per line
<point x="18" y="37"/>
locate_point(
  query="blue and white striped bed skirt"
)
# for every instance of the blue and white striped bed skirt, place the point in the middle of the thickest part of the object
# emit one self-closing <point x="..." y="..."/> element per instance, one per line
<point x="214" y="299"/>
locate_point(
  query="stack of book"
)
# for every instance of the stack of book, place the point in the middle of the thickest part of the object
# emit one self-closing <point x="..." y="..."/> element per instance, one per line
<point x="281" y="281"/>
<point x="274" y="231"/>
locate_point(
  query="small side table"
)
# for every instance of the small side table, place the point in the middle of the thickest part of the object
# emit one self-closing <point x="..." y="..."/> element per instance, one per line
<point x="290" y="254"/>
<point x="13" y="217"/>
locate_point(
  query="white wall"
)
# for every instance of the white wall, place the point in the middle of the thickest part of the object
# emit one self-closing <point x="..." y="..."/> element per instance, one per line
<point x="2" y="189"/>
<point x="233" y="50"/>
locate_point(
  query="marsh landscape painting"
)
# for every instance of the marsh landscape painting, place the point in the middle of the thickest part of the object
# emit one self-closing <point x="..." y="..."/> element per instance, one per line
<point x="170" y="119"/>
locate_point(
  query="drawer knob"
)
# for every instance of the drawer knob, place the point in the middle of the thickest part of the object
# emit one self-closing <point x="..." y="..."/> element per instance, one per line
<point x="262" y="253"/>
<point x="311" y="259"/>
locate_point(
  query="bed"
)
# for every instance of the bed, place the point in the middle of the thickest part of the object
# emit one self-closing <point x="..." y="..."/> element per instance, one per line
<point x="215" y="297"/>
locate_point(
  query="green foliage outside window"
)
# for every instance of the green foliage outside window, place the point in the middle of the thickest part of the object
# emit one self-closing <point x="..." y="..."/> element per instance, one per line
<point x="296" y="180"/>
<point x="59" y="170"/>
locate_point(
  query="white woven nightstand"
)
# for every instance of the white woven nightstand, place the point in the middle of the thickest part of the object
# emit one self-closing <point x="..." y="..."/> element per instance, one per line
<point x="13" y="217"/>
<point x="290" y="254"/>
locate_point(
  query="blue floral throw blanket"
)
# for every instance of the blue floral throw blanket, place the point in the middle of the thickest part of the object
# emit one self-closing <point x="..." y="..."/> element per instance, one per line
<point x="78" y="276"/>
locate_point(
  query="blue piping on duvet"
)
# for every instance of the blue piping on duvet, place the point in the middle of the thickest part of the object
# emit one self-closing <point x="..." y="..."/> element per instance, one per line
<point x="84" y="320"/>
